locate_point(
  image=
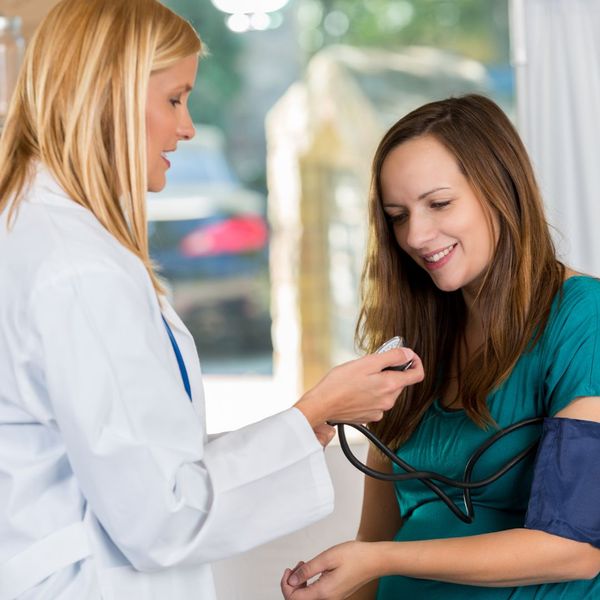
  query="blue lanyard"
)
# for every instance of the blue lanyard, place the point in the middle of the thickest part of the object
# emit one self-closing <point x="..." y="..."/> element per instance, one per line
<point x="182" y="369"/>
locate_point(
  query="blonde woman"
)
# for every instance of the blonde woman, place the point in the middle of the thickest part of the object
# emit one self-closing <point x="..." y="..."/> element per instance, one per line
<point x="109" y="486"/>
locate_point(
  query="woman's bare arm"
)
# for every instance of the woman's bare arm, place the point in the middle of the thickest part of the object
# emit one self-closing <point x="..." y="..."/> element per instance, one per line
<point x="380" y="518"/>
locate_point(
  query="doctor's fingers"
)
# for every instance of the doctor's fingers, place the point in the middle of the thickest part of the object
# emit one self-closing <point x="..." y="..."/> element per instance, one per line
<point x="361" y="399"/>
<point x="374" y="363"/>
<point x="377" y="375"/>
<point x="400" y="379"/>
<point x="371" y="364"/>
<point x="384" y="387"/>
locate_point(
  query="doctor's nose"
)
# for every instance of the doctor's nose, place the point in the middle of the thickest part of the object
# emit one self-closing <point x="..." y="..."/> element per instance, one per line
<point x="186" y="130"/>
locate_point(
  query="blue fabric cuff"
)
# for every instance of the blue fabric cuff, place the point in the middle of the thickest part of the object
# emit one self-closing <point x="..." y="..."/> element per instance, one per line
<point x="565" y="494"/>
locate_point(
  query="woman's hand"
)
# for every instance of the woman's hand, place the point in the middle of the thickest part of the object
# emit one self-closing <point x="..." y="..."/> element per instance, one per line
<point x="342" y="569"/>
<point x="360" y="391"/>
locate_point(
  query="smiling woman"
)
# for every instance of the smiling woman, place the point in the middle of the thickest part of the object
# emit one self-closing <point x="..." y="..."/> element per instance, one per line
<point x="461" y="262"/>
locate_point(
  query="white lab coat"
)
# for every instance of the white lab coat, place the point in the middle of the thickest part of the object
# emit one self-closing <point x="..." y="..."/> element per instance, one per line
<point x="109" y="486"/>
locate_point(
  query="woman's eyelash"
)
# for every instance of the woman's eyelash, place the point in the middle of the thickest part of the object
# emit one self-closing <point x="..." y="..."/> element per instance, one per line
<point x="440" y="203"/>
<point x="175" y="101"/>
<point x="399" y="218"/>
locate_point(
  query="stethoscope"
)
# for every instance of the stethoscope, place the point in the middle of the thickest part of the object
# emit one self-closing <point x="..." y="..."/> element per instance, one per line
<point x="429" y="477"/>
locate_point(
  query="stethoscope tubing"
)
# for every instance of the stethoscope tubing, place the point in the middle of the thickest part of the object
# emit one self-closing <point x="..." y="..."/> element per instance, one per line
<point x="429" y="477"/>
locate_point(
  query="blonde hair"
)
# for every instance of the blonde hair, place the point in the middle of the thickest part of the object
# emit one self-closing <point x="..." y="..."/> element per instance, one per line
<point x="79" y="108"/>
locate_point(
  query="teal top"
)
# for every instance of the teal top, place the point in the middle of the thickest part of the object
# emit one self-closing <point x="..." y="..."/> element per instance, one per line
<point x="564" y="364"/>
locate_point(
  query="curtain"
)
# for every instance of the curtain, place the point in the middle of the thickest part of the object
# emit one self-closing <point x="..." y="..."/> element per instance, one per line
<point x="556" y="54"/>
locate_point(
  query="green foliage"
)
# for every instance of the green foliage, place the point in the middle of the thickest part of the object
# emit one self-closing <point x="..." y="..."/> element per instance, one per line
<point x="474" y="28"/>
<point x="218" y="78"/>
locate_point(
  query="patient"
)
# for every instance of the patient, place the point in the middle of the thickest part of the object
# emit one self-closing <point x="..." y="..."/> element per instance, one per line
<point x="460" y="261"/>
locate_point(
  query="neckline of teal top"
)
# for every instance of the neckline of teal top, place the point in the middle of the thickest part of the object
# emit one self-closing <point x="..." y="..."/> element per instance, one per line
<point x="447" y="412"/>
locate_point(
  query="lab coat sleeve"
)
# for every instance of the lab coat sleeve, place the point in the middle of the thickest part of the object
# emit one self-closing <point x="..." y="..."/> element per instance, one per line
<point x="135" y="443"/>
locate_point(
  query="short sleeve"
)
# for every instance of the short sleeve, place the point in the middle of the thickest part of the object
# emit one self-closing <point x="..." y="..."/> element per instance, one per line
<point x="571" y="355"/>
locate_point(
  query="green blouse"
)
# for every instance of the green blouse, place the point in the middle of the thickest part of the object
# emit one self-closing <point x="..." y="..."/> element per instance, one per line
<point x="563" y="365"/>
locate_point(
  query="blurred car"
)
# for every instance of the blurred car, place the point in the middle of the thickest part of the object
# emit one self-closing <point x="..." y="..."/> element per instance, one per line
<point x="209" y="237"/>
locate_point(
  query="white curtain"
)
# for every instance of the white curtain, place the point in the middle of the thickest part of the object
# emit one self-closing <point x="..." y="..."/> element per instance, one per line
<point x="556" y="54"/>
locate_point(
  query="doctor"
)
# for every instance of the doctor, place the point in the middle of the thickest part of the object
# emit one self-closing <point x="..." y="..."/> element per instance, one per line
<point x="109" y="486"/>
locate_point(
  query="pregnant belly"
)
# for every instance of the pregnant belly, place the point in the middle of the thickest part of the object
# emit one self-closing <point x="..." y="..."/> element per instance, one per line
<point x="434" y="520"/>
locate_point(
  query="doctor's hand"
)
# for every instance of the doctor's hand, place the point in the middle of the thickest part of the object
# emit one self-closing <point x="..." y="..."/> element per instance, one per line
<point x="360" y="391"/>
<point x="341" y="571"/>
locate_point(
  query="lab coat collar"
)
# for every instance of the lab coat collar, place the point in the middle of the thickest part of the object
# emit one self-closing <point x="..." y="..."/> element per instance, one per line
<point x="172" y="317"/>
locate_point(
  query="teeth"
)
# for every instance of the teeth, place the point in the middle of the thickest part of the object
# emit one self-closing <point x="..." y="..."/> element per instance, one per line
<point x="439" y="255"/>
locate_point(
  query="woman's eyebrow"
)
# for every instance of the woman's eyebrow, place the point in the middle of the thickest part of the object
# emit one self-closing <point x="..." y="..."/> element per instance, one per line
<point x="425" y="194"/>
<point x="183" y="88"/>
<point x="422" y="196"/>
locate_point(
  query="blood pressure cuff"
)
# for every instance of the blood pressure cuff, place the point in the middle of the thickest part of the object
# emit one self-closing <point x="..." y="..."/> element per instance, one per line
<point x="565" y="494"/>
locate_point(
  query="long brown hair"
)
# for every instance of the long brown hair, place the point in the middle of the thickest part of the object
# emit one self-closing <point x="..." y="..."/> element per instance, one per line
<point x="517" y="289"/>
<point x="79" y="108"/>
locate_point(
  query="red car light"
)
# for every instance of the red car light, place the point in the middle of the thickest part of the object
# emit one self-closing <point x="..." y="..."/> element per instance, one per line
<point x="236" y="235"/>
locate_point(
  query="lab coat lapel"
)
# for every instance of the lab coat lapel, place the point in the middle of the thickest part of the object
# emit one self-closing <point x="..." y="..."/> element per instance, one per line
<point x="189" y="354"/>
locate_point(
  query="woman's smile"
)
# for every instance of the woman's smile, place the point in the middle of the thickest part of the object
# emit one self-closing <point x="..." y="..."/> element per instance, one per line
<point x="437" y="259"/>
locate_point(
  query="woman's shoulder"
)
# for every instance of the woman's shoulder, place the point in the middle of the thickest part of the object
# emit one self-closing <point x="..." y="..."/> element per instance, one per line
<point x="575" y="311"/>
<point x="570" y="347"/>
<point x="579" y="293"/>
<point x="576" y="279"/>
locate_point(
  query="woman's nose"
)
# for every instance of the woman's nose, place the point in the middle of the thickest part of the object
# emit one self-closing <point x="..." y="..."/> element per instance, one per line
<point x="420" y="230"/>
